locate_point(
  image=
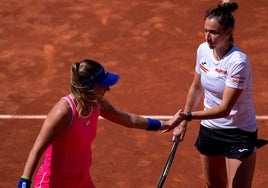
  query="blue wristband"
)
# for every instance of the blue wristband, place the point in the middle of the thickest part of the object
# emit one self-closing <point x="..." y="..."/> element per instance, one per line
<point x="153" y="124"/>
<point x="24" y="183"/>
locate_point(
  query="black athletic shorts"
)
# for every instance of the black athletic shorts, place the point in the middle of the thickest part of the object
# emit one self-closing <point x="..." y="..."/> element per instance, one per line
<point x="231" y="143"/>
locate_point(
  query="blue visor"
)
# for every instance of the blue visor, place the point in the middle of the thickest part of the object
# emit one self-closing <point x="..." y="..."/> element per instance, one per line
<point x="102" y="78"/>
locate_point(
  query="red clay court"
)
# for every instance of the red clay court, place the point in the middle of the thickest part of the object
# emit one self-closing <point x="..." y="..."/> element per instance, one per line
<point x="152" y="45"/>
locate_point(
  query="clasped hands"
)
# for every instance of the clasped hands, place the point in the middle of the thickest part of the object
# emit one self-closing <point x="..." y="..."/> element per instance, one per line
<point x="179" y="123"/>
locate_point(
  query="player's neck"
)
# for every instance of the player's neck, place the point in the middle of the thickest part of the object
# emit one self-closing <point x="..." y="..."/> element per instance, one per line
<point x="219" y="53"/>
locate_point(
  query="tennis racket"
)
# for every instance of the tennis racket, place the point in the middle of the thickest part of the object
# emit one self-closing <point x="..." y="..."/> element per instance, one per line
<point x="171" y="156"/>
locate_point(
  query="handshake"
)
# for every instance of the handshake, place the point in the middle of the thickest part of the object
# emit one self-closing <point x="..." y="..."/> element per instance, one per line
<point x="177" y="122"/>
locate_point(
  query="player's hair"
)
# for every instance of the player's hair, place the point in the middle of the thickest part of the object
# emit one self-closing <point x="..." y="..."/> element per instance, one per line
<point x="84" y="96"/>
<point x="223" y="13"/>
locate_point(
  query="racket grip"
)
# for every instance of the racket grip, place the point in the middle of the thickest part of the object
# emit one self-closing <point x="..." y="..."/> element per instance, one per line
<point x="175" y="138"/>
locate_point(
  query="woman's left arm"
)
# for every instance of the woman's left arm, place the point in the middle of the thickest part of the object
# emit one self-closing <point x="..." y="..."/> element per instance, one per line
<point x="109" y="112"/>
<point x="230" y="96"/>
<point x="130" y="120"/>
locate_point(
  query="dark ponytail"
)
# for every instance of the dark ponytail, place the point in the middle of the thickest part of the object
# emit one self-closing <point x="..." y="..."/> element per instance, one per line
<point x="223" y="13"/>
<point x="228" y="6"/>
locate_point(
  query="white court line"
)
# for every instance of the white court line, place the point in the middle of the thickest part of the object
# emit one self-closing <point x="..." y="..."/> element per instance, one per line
<point x="44" y="116"/>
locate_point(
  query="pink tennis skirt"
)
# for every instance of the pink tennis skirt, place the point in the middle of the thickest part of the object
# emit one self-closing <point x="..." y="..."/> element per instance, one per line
<point x="50" y="179"/>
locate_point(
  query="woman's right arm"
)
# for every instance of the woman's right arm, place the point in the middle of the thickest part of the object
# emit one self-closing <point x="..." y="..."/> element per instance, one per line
<point x="194" y="94"/>
<point x="192" y="100"/>
<point x="57" y="119"/>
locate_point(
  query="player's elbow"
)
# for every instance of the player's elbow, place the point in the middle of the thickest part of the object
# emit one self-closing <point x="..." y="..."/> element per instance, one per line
<point x="225" y="111"/>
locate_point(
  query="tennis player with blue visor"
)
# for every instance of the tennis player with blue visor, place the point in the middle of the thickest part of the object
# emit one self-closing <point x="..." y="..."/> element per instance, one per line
<point x="67" y="133"/>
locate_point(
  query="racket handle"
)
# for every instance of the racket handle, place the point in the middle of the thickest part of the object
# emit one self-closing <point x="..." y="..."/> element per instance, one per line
<point x="175" y="138"/>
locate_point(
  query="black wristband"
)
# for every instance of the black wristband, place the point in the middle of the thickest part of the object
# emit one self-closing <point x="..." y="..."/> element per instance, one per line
<point x="189" y="116"/>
